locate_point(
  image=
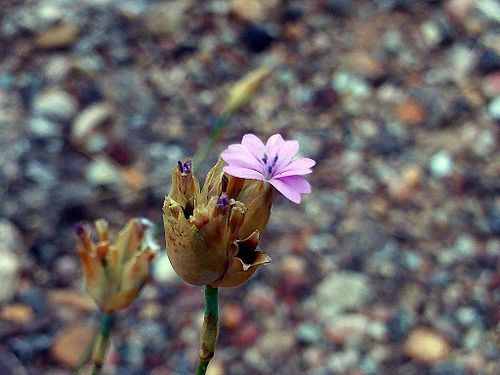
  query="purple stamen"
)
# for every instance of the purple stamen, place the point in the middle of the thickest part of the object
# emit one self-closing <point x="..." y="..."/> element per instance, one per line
<point x="223" y="200"/>
<point x="270" y="168"/>
<point x="184" y="168"/>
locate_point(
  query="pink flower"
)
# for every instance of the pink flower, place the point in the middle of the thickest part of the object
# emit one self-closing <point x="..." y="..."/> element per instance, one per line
<point x="272" y="162"/>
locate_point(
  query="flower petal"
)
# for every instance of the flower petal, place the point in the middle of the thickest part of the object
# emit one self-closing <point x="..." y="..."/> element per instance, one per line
<point x="238" y="156"/>
<point x="242" y="172"/>
<point x="296" y="167"/>
<point x="253" y="145"/>
<point x="291" y="187"/>
<point x="294" y="172"/>
<point x="285" y="155"/>
<point x="274" y="145"/>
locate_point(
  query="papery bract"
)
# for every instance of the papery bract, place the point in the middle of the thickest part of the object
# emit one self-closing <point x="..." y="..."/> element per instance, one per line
<point x="212" y="234"/>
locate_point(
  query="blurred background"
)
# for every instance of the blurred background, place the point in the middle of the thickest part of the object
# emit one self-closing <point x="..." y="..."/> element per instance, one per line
<point x="390" y="266"/>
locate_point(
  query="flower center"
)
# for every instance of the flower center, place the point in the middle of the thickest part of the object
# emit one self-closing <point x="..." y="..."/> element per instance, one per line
<point x="270" y="164"/>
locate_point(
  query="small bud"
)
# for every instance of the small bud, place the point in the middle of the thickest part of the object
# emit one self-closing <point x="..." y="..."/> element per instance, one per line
<point x="115" y="272"/>
<point x="243" y="90"/>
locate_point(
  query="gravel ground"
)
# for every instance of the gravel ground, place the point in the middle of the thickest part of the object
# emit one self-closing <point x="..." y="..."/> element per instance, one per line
<point x="390" y="266"/>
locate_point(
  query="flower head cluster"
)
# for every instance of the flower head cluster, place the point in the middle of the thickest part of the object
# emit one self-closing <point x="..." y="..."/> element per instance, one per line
<point x="272" y="162"/>
<point x="115" y="272"/>
<point x="213" y="234"/>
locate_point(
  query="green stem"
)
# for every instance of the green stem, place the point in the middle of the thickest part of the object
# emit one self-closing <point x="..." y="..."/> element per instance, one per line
<point x="102" y="342"/>
<point x="214" y="136"/>
<point x="210" y="329"/>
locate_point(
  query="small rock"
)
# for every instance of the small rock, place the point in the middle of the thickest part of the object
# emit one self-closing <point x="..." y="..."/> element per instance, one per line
<point x="426" y="346"/>
<point x="10" y="364"/>
<point x="246" y="335"/>
<point x="339" y="7"/>
<point x="494" y="108"/>
<point x="232" y="316"/>
<point x="166" y="17"/>
<point x="275" y="344"/>
<point x="410" y="112"/>
<point x="17" y="313"/>
<point x="44" y="128"/>
<point x="162" y="269"/>
<point x="28" y="347"/>
<point x="102" y="172"/>
<point x="346" y="327"/>
<point x="71" y="344"/>
<point x="59" y="36"/>
<point x="489" y="62"/>
<point x="89" y="119"/>
<point x="8" y="273"/>
<point x="341" y="291"/>
<point x="401" y="323"/>
<point x="249" y="10"/>
<point x="216" y="367"/>
<point x="256" y="38"/>
<point x="71" y="299"/>
<point x="441" y="164"/>
<point x="309" y="333"/>
<point x="56" y="104"/>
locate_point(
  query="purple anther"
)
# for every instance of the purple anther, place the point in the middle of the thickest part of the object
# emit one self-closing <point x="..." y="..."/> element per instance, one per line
<point x="184" y="168"/>
<point x="79" y="229"/>
<point x="223" y="200"/>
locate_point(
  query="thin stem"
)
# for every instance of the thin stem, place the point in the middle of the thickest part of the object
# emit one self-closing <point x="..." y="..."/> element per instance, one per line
<point x="102" y="342"/>
<point x="214" y="136"/>
<point x="210" y="329"/>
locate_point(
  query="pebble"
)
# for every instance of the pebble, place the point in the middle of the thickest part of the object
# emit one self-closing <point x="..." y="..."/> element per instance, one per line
<point x="274" y="344"/>
<point x="348" y="327"/>
<point x="256" y="38"/>
<point x="9" y="266"/>
<point x="17" y="313"/>
<point x="42" y="127"/>
<point x="103" y="172"/>
<point x="343" y="8"/>
<point x="426" y="346"/>
<point x="71" y="344"/>
<point x="249" y="10"/>
<point x="10" y="364"/>
<point x="59" y="36"/>
<point x="55" y="104"/>
<point x="309" y="333"/>
<point x="162" y="270"/>
<point x="233" y="316"/>
<point x="27" y="347"/>
<point x="410" y="112"/>
<point x="340" y="291"/>
<point x="166" y="17"/>
<point x="72" y="299"/>
<point x="494" y="108"/>
<point x="441" y="164"/>
<point x="246" y="335"/>
<point x="488" y="62"/>
<point x="89" y="120"/>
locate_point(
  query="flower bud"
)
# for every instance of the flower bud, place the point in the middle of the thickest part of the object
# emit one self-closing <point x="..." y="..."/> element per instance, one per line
<point x="115" y="273"/>
<point x="243" y="90"/>
<point x="205" y="243"/>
